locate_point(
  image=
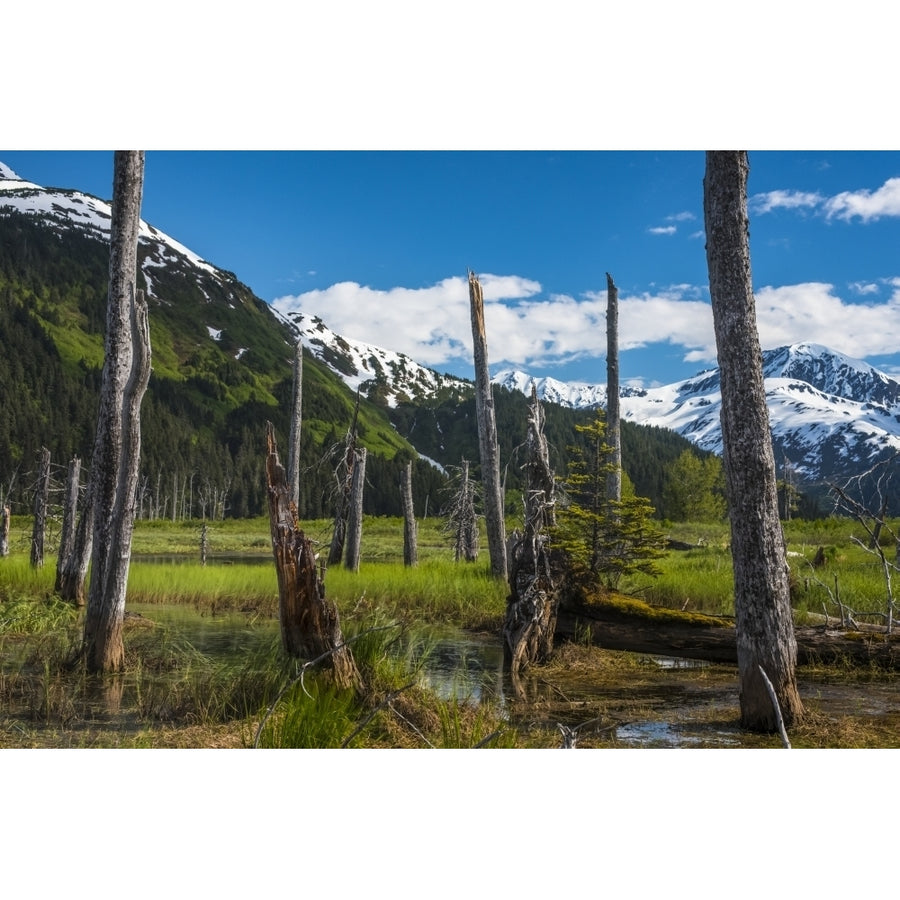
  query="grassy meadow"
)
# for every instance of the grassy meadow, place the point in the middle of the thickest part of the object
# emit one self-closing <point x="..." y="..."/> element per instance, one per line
<point x="173" y="694"/>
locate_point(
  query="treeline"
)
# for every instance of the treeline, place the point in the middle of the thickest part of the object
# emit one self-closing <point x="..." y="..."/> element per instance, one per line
<point x="446" y="431"/>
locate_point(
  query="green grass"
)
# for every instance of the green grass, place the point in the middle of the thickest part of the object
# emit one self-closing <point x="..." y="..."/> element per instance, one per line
<point x="171" y="694"/>
<point x="701" y="580"/>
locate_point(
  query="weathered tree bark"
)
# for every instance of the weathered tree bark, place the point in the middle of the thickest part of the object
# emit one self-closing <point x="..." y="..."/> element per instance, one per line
<point x="41" y="502"/>
<point x="765" y="633"/>
<point x="344" y="484"/>
<point x="69" y="520"/>
<point x="689" y="636"/>
<point x="310" y="625"/>
<point x="71" y="579"/>
<point x="4" y="529"/>
<point x="293" y="465"/>
<point x="355" y="512"/>
<point x="533" y="602"/>
<point x="613" y="415"/>
<point x="204" y="544"/>
<point x="410" y="543"/>
<point x="117" y="448"/>
<point x="487" y="436"/>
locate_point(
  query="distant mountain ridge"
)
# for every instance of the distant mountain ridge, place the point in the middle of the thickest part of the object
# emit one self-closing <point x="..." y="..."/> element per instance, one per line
<point x="830" y="415"/>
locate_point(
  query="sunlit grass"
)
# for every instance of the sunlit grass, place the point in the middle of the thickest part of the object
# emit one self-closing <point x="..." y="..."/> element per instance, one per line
<point x="213" y="588"/>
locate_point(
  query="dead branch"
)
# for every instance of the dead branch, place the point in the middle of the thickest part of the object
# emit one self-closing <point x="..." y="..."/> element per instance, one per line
<point x="779" y="721"/>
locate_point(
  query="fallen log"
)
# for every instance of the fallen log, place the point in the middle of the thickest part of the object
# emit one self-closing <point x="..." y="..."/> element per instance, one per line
<point x="624" y="623"/>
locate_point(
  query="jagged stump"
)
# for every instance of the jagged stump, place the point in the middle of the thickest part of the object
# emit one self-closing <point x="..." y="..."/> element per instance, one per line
<point x="310" y="625"/>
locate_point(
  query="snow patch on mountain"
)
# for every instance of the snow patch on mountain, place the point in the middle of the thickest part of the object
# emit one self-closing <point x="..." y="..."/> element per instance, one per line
<point x="92" y="216"/>
<point x="378" y="373"/>
<point x="829" y="414"/>
<point x="573" y="394"/>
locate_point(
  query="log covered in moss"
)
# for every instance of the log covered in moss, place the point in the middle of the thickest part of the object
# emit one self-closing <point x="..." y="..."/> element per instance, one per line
<point x="617" y="622"/>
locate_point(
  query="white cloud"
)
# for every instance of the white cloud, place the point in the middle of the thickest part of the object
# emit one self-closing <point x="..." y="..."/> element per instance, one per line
<point x="868" y="205"/>
<point x="681" y="217"/>
<point x="813" y="312"/>
<point x="862" y="288"/>
<point x="763" y="203"/>
<point x="847" y="205"/>
<point x="663" y="229"/>
<point x="430" y="324"/>
<point x="433" y="325"/>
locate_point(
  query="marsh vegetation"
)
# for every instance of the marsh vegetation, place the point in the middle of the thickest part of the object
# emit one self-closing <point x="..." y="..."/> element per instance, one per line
<point x="204" y="666"/>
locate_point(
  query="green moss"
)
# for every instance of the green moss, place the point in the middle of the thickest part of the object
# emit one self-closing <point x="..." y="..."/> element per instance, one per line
<point x="631" y="606"/>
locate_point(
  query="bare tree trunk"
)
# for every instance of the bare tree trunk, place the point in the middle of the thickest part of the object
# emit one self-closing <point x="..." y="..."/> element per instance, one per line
<point x="71" y="580"/>
<point x="765" y="633"/>
<point x="41" y="502"/>
<point x="344" y="484"/>
<point x="533" y="603"/>
<point x="204" y="544"/>
<point x="69" y="520"/>
<point x="293" y="466"/>
<point x="410" y="545"/>
<point x="355" y="512"/>
<point x="310" y="626"/>
<point x="487" y="436"/>
<point x="117" y="448"/>
<point x="4" y="530"/>
<point x="462" y="522"/>
<point x="613" y="417"/>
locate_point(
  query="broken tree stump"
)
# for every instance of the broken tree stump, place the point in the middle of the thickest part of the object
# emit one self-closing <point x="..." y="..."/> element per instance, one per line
<point x="310" y="625"/>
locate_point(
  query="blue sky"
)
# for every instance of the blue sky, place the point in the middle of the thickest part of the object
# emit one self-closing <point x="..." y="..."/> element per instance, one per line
<point x="378" y="244"/>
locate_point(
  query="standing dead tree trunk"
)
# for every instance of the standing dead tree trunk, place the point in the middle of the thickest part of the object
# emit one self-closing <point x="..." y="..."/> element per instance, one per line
<point x="763" y="622"/>
<point x="293" y="466"/>
<point x="310" y="626"/>
<point x="69" y="520"/>
<point x="410" y="544"/>
<point x="462" y="521"/>
<point x="487" y="436"/>
<point x="117" y="447"/>
<point x="72" y="576"/>
<point x="41" y="502"/>
<point x="613" y="416"/>
<point x="533" y="602"/>
<point x="4" y="529"/>
<point x="344" y="484"/>
<point x="355" y="511"/>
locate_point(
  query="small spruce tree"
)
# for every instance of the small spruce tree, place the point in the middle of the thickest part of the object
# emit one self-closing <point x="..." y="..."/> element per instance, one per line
<point x="603" y="539"/>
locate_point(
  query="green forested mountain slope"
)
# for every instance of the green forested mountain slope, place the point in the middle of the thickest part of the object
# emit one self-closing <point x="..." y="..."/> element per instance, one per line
<point x="221" y="368"/>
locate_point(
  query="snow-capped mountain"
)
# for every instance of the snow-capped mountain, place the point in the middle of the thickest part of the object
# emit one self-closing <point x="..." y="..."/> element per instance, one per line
<point x="830" y="415"/>
<point x="70" y="209"/>
<point x="572" y="394"/>
<point x="391" y="376"/>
